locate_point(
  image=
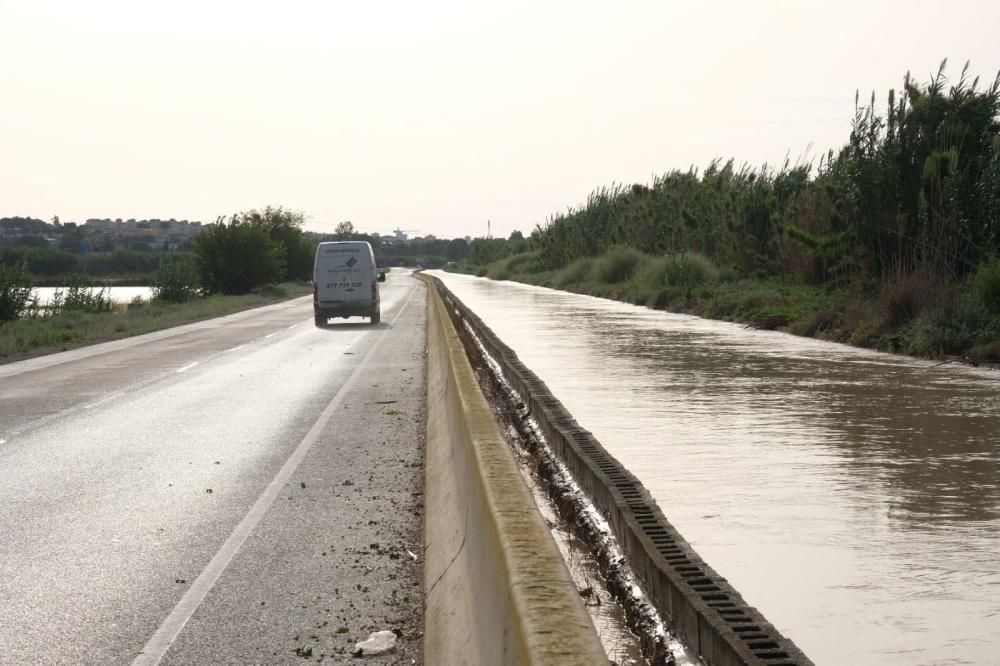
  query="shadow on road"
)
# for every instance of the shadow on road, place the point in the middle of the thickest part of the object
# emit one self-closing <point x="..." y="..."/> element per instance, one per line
<point x="335" y="326"/>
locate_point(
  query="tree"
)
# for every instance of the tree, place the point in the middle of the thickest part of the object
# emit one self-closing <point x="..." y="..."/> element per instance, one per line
<point x="32" y="241"/>
<point x="458" y="248"/>
<point x="284" y="227"/>
<point x="236" y="257"/>
<point x="73" y="238"/>
<point x="344" y="230"/>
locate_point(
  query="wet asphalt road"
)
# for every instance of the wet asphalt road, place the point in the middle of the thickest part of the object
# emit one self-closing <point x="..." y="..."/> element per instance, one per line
<point x="243" y="490"/>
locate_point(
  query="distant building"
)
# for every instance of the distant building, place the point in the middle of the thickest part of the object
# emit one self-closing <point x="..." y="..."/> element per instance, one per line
<point x="157" y="234"/>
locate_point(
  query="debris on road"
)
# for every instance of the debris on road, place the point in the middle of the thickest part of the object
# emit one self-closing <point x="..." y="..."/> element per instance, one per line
<point x="376" y="643"/>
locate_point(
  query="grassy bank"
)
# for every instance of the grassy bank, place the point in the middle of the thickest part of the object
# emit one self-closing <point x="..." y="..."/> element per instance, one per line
<point x="35" y="336"/>
<point x="913" y="316"/>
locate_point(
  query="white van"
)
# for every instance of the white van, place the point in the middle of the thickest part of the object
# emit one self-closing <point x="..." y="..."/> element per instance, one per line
<point x="345" y="281"/>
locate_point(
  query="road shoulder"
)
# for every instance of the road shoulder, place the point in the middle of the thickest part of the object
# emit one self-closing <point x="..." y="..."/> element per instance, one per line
<point x="339" y="555"/>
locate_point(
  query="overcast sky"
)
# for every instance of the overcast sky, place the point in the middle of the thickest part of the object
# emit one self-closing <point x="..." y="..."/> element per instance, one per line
<point x="434" y="116"/>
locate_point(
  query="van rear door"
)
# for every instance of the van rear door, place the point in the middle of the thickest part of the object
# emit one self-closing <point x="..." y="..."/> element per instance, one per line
<point x="344" y="273"/>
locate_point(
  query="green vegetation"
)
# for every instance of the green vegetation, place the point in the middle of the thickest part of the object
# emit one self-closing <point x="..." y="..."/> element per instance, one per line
<point x="15" y="292"/>
<point x="105" y="251"/>
<point x="893" y="242"/>
<point x="53" y="266"/>
<point x="78" y="297"/>
<point x="176" y="282"/>
<point x="252" y="249"/>
<point x="73" y="327"/>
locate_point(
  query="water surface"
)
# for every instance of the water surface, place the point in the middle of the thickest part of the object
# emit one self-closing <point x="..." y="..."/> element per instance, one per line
<point x="116" y="294"/>
<point x="852" y="496"/>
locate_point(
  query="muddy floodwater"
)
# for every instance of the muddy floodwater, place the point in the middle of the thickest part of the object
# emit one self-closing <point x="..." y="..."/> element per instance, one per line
<point x="853" y="497"/>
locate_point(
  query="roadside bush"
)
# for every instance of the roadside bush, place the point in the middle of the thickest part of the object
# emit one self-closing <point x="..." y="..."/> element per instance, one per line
<point x="237" y="257"/>
<point x="498" y="272"/>
<point x="727" y="275"/>
<point x="985" y="285"/>
<point x="903" y="300"/>
<point x="518" y="264"/>
<point x="526" y="262"/>
<point x="660" y="300"/>
<point x="647" y="279"/>
<point x="15" y="292"/>
<point x="863" y="335"/>
<point x="273" y="291"/>
<point x="578" y="271"/>
<point x="618" y="265"/>
<point x="176" y="282"/>
<point x="690" y="269"/>
<point x="651" y="274"/>
<point x="818" y="323"/>
<point x="988" y="351"/>
<point x="79" y="297"/>
<point x="935" y="333"/>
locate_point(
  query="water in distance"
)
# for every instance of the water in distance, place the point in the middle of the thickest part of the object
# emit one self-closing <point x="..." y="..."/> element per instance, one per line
<point x="116" y="294"/>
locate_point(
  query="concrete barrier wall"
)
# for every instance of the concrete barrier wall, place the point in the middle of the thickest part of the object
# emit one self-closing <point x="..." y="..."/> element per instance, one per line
<point x="698" y="604"/>
<point x="497" y="590"/>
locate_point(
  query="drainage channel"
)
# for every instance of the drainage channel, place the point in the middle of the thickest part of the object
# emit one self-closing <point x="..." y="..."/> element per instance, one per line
<point x="647" y="555"/>
<point x="629" y="628"/>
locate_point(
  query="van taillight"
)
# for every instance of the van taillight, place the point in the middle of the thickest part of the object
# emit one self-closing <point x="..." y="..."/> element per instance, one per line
<point x="374" y="290"/>
<point x="315" y="291"/>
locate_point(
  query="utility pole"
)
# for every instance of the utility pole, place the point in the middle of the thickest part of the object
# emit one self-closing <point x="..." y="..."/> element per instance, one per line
<point x="489" y="234"/>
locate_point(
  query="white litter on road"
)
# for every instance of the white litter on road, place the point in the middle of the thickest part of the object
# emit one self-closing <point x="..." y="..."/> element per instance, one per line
<point x="377" y="643"/>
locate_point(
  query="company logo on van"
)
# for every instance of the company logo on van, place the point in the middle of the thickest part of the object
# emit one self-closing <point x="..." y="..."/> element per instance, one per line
<point x="351" y="262"/>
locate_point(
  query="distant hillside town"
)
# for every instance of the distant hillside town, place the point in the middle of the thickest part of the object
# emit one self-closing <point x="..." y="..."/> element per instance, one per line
<point x="99" y="235"/>
<point x="133" y="245"/>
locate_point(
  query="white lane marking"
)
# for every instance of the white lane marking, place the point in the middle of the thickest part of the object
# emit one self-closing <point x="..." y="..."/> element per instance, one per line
<point x="232" y="349"/>
<point x="104" y="400"/>
<point x="160" y="642"/>
<point x="293" y="326"/>
<point x="187" y="367"/>
<point x="3" y="441"/>
<point x="270" y="335"/>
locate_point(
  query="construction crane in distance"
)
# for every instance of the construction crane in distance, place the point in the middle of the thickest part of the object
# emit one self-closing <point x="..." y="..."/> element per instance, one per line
<point x="401" y="233"/>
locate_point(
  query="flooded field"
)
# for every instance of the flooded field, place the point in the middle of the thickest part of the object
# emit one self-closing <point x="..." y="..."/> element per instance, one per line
<point x="853" y="497"/>
<point x="116" y="294"/>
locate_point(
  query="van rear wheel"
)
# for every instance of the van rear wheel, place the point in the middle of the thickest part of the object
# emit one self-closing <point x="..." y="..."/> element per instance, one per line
<point x="320" y="321"/>
<point x="376" y="317"/>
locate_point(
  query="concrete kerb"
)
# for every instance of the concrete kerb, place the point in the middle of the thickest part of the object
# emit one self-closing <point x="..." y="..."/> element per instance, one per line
<point x="497" y="589"/>
<point x="700" y="606"/>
